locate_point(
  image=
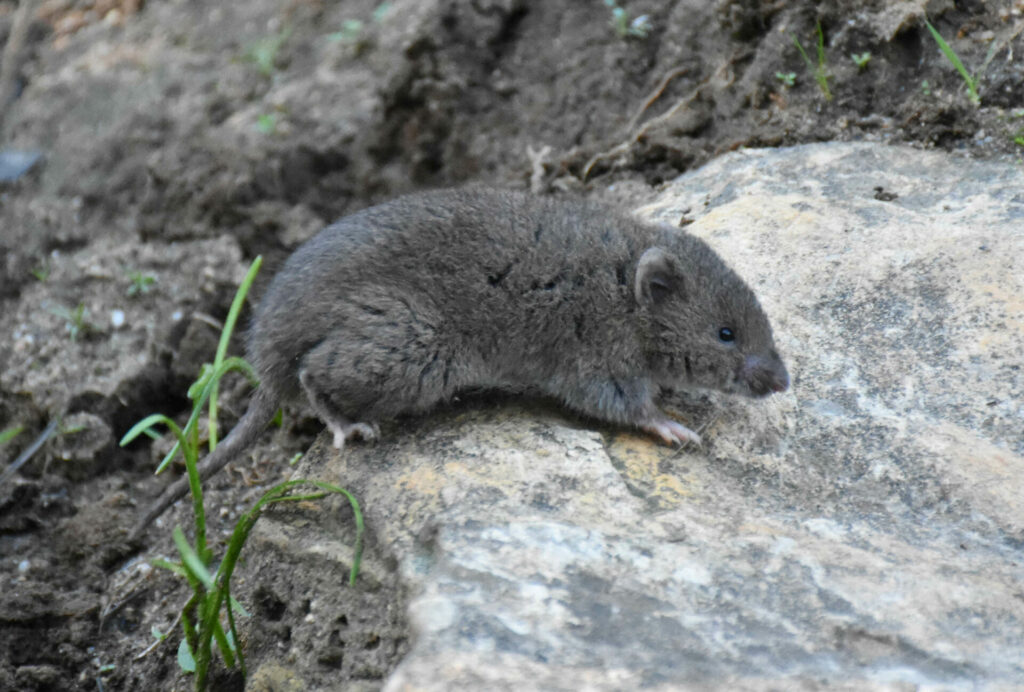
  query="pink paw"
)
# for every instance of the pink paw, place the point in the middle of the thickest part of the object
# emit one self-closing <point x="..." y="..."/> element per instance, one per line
<point x="671" y="432"/>
<point x="343" y="433"/>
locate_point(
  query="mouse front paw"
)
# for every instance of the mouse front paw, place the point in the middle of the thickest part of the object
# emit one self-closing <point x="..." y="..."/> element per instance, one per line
<point x="670" y="431"/>
<point x="343" y="432"/>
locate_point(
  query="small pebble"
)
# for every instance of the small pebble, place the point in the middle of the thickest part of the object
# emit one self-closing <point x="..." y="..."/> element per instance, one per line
<point x="14" y="164"/>
<point x="117" y="318"/>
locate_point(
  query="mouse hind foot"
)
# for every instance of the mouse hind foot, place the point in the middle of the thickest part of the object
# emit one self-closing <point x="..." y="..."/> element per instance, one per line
<point x="341" y="427"/>
<point x="344" y="431"/>
<point x="385" y="358"/>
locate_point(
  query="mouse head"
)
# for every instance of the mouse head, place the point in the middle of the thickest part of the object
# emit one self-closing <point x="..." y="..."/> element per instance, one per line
<point x="704" y="326"/>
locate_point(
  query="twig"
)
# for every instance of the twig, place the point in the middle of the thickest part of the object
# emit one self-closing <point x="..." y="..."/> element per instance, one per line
<point x="1000" y="44"/>
<point x="637" y="135"/>
<point x="656" y="94"/>
<point x="32" y="449"/>
<point x="208" y="319"/>
<point x="158" y="642"/>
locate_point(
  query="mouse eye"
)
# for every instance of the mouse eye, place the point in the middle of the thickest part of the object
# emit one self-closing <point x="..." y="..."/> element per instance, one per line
<point x="727" y="335"/>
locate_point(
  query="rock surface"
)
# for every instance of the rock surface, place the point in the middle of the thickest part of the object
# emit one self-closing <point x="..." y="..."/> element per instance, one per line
<point x="861" y="531"/>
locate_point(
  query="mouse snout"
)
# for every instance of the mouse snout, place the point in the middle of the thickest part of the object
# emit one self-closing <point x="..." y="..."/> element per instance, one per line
<point x="764" y="375"/>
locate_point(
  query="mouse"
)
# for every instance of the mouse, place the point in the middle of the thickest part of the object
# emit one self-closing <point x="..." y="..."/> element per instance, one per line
<point x="399" y="307"/>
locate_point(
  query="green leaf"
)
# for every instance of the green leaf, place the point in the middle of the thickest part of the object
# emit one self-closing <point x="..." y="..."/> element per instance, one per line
<point x="186" y="661"/>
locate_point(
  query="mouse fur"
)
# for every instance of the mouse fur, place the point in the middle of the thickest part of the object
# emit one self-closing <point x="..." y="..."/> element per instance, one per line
<point x="398" y="307"/>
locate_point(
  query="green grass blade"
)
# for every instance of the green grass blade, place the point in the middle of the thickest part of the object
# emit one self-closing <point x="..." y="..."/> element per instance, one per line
<point x="190" y="558"/>
<point x="146" y="423"/>
<point x="212" y="592"/>
<point x="803" y="53"/>
<point x="186" y="622"/>
<point x="209" y="625"/>
<point x="226" y="650"/>
<point x="229" y="364"/>
<point x="10" y="433"/>
<point x="232" y="629"/>
<point x="171" y="567"/>
<point x="821" y="73"/>
<point x="947" y="50"/>
<point x="357" y="553"/>
<point x="237" y="607"/>
<point x="205" y="373"/>
<point x="168" y="458"/>
<point x="225" y="338"/>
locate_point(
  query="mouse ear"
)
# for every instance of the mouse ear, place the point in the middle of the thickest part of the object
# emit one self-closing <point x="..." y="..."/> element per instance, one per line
<point x="656" y="277"/>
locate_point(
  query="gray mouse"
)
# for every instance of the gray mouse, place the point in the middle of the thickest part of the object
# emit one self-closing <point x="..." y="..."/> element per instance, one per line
<point x="397" y="308"/>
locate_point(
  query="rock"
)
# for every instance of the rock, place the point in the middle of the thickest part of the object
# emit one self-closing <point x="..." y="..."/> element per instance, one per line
<point x="82" y="444"/>
<point x="861" y="531"/>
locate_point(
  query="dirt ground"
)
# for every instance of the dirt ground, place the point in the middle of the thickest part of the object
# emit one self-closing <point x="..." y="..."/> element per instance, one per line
<point x="181" y="139"/>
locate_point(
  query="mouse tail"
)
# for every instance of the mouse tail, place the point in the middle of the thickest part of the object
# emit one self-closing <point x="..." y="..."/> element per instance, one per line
<point x="262" y="408"/>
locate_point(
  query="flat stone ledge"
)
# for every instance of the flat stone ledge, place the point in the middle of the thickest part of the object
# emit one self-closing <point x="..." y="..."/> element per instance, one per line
<point x="862" y="531"/>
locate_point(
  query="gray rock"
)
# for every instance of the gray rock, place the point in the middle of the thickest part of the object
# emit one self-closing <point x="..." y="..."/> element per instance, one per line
<point x="862" y="531"/>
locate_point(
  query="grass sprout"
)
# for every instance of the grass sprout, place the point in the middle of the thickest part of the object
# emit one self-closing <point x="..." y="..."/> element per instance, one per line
<point x="141" y="283"/>
<point x="266" y="123"/>
<point x="861" y="60"/>
<point x="819" y="70"/>
<point x="208" y="617"/>
<point x="42" y="272"/>
<point x="381" y="12"/>
<point x="638" y="27"/>
<point x="954" y="59"/>
<point x="263" y="53"/>
<point x="351" y="31"/>
<point x="10" y="433"/>
<point x="76" y="319"/>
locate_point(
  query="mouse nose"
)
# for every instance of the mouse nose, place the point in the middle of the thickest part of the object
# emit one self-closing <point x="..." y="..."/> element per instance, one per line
<point x="764" y="375"/>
